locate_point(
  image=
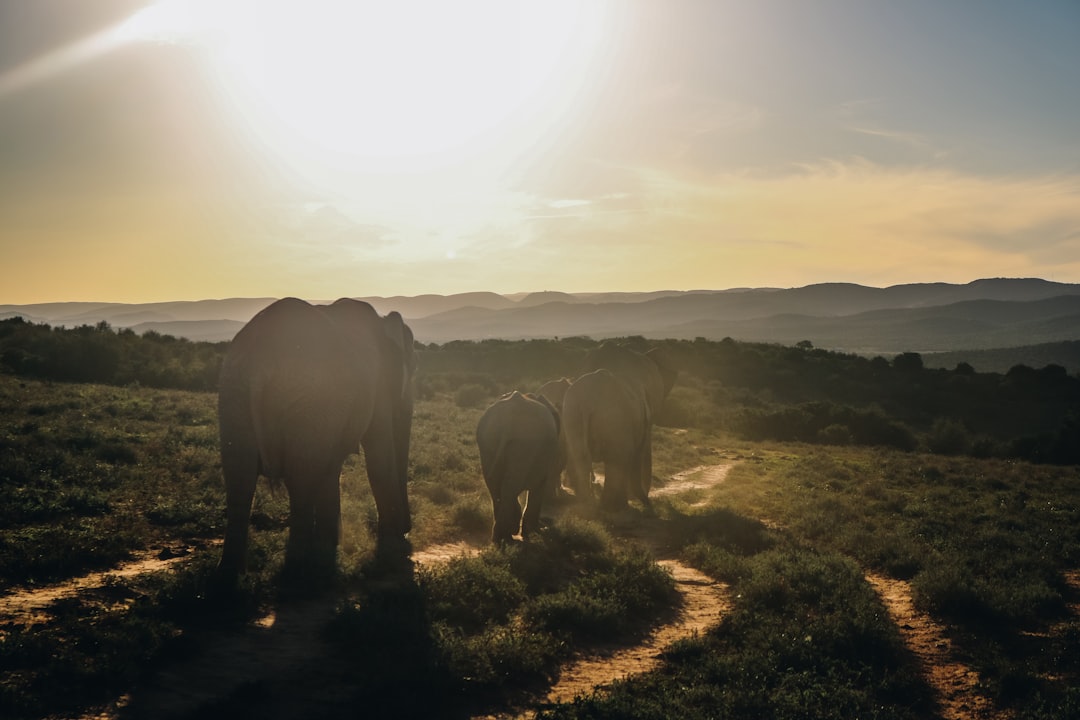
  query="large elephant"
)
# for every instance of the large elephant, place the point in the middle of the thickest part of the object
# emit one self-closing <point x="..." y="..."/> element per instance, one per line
<point x="518" y="438"/>
<point x="301" y="388"/>
<point x="606" y="419"/>
<point x="651" y="377"/>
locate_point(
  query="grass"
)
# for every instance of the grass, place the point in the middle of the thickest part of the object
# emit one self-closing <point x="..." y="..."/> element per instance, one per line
<point x="93" y="475"/>
<point x="806" y="638"/>
<point x="500" y="623"/>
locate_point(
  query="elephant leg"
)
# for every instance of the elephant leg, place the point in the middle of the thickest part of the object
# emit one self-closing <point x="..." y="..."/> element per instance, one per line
<point x="646" y="461"/>
<point x="641" y="487"/>
<point x="507" y="519"/>
<point x="327" y="518"/>
<point x="496" y="505"/>
<point x="388" y="487"/>
<point x="534" y="503"/>
<point x="579" y="474"/>
<point x="240" y="466"/>
<point x="616" y="474"/>
<point x="301" y="523"/>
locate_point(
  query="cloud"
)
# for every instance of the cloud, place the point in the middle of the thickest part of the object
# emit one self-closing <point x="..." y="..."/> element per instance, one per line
<point x="910" y="139"/>
<point x="854" y="221"/>
<point x="559" y="204"/>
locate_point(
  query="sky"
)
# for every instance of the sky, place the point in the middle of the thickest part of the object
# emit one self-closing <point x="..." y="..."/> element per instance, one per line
<point x="192" y="149"/>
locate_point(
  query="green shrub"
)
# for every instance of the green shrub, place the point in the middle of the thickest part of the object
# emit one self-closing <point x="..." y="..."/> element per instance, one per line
<point x="948" y="437"/>
<point x="471" y="593"/>
<point x="498" y="656"/>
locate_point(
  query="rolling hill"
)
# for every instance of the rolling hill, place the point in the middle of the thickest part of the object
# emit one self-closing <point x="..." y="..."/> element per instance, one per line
<point x="926" y="317"/>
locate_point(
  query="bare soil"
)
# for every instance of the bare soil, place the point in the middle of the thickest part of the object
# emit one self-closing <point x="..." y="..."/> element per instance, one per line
<point x="704" y="601"/>
<point x="956" y="684"/>
<point x="696" y="478"/>
<point x="28" y="606"/>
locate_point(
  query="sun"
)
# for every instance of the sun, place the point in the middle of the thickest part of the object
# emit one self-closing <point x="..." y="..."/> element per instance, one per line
<point x="400" y="86"/>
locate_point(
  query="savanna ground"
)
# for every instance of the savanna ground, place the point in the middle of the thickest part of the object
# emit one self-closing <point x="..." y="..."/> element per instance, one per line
<point x="853" y="581"/>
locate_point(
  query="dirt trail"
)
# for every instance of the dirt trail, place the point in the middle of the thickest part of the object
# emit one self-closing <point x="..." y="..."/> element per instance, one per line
<point x="955" y="684"/>
<point x="696" y="478"/>
<point x="704" y="602"/>
<point x="28" y="606"/>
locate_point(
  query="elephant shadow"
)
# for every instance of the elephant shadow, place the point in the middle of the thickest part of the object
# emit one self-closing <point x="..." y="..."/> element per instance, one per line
<point x="362" y="650"/>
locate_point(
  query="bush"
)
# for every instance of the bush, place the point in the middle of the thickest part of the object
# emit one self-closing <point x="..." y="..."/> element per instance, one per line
<point x="948" y="437"/>
<point x="472" y="593"/>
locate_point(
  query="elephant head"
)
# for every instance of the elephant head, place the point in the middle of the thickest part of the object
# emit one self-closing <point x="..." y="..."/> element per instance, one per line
<point x="301" y="388"/>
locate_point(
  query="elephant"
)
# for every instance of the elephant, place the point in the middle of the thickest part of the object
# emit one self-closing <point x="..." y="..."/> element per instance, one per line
<point x="606" y="419"/>
<point x="652" y="378"/>
<point x="302" y="387"/>
<point x="518" y="439"/>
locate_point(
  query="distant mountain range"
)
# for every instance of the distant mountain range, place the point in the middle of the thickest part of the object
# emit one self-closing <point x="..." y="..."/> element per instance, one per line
<point x="925" y="318"/>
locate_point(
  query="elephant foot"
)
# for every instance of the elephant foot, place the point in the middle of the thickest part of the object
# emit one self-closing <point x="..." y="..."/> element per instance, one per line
<point x="391" y="564"/>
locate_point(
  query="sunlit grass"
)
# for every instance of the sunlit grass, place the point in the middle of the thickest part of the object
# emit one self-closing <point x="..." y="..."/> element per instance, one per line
<point x="92" y="474"/>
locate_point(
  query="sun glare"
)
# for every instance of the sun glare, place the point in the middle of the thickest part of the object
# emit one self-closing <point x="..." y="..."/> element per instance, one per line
<point x="405" y="87"/>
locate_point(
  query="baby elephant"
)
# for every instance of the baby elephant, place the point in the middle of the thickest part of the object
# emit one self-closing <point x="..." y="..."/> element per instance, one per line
<point x="518" y="437"/>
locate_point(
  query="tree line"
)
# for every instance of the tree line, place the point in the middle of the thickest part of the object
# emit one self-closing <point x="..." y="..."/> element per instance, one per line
<point x="755" y="390"/>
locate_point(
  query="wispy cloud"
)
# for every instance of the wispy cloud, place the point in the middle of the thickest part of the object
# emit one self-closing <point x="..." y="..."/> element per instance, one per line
<point x="559" y="204"/>
<point x="910" y="139"/>
<point x="834" y="221"/>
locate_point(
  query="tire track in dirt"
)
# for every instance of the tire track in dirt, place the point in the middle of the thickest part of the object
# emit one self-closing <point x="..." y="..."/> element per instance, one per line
<point x="954" y="683"/>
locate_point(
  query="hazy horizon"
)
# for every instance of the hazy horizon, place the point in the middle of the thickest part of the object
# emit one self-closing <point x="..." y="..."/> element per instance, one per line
<point x="510" y="295"/>
<point x="188" y="150"/>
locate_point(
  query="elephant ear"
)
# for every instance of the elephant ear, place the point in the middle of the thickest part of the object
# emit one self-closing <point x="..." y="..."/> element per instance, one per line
<point x="667" y="368"/>
<point x="402" y="338"/>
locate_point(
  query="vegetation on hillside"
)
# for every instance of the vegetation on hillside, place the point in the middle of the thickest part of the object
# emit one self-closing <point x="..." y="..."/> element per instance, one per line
<point x="757" y="391"/>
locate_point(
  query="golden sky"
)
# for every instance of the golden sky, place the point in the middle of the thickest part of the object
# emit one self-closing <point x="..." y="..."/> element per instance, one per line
<point x="190" y="149"/>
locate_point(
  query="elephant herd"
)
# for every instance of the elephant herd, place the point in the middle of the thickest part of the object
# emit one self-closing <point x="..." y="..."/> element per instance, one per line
<point x="303" y="386"/>
<point x="604" y="416"/>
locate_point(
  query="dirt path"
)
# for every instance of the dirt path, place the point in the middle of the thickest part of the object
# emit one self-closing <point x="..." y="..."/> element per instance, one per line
<point x="701" y="477"/>
<point x="28" y="606"/>
<point x="704" y="603"/>
<point x="955" y="684"/>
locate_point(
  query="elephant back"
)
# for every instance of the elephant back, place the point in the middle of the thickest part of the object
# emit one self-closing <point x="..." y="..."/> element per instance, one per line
<point x="634" y="367"/>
